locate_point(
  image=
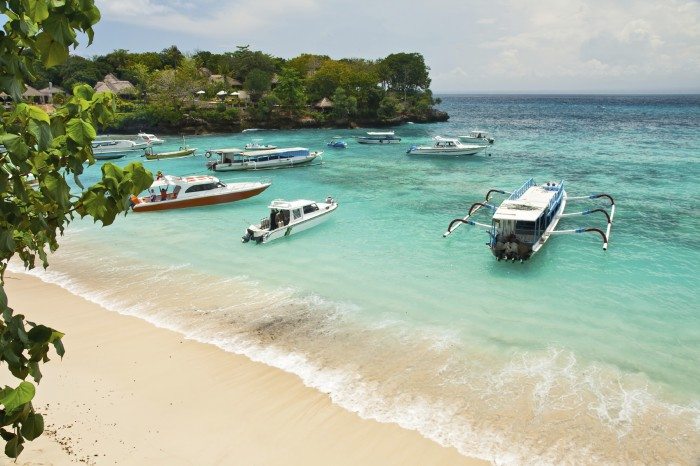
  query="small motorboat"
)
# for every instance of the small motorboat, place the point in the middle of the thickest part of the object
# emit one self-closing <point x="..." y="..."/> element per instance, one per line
<point x="525" y="220"/>
<point x="256" y="145"/>
<point x="288" y="218"/>
<point x="183" y="151"/>
<point x="107" y="147"/>
<point x="379" y="137"/>
<point x="337" y="143"/>
<point x="477" y="137"/>
<point x="174" y="192"/>
<point x="150" y="155"/>
<point x="150" y="139"/>
<point x="446" y="146"/>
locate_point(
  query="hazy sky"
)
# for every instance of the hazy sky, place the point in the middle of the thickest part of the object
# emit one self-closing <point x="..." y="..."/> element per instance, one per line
<point x="470" y="46"/>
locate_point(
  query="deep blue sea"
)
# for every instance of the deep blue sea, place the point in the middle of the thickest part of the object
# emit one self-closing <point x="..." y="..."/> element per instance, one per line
<point x="577" y="356"/>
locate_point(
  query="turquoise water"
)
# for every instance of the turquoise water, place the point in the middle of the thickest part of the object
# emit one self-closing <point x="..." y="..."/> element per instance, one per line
<point x="577" y="351"/>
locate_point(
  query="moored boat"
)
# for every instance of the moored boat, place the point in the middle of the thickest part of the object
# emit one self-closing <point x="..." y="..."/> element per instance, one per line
<point x="446" y="146"/>
<point x="524" y="221"/>
<point x="150" y="155"/>
<point x="379" y="137"/>
<point x="257" y="145"/>
<point x="239" y="159"/>
<point x="477" y="137"/>
<point x="150" y="139"/>
<point x="337" y="143"/>
<point x="289" y="217"/>
<point x="106" y="147"/>
<point x="174" y="192"/>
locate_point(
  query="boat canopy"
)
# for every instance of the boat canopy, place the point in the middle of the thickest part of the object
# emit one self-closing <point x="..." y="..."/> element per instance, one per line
<point x="171" y="180"/>
<point x="380" y="133"/>
<point x="528" y="202"/>
<point x="281" y="204"/>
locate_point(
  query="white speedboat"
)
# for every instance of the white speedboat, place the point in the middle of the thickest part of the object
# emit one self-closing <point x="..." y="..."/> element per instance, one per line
<point x="107" y="145"/>
<point x="256" y="145"/>
<point x="150" y="139"/>
<point x="288" y="218"/>
<point x="446" y="146"/>
<point x="477" y="137"/>
<point x="379" y="137"/>
<point x="524" y="221"/>
<point x="241" y="159"/>
<point x="175" y="192"/>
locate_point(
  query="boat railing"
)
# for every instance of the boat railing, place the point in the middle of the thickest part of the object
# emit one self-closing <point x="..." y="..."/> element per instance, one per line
<point x="521" y="190"/>
<point x="557" y="197"/>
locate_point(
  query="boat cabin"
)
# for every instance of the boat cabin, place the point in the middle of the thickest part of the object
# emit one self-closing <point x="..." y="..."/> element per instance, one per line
<point x="478" y="134"/>
<point x="521" y="220"/>
<point x="168" y="187"/>
<point x="283" y="213"/>
<point x="446" y="142"/>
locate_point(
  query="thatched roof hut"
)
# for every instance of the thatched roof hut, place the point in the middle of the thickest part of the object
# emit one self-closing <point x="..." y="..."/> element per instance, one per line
<point x="117" y="86"/>
<point x="324" y="104"/>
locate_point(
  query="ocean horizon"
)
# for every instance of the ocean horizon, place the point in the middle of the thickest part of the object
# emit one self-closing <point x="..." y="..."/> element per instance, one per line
<point x="578" y="355"/>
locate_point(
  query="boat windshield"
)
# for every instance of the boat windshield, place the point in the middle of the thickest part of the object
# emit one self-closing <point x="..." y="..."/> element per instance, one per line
<point x="205" y="187"/>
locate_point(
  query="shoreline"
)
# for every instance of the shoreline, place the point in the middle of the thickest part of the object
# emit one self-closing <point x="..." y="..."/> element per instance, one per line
<point x="129" y="392"/>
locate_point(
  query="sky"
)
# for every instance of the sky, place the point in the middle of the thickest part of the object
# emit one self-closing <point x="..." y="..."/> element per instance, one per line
<point x="471" y="46"/>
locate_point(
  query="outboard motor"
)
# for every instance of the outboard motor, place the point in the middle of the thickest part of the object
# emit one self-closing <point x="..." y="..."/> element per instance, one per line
<point x="248" y="235"/>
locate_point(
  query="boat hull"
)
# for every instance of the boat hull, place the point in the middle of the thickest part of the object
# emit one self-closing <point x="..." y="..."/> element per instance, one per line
<point x="298" y="227"/>
<point x="171" y="155"/>
<point x="266" y="165"/>
<point x="182" y="203"/>
<point x="378" y="141"/>
<point x="109" y="156"/>
<point x="443" y="152"/>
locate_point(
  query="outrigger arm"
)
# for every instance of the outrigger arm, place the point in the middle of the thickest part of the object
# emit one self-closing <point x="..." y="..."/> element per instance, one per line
<point x="605" y="235"/>
<point x="454" y="224"/>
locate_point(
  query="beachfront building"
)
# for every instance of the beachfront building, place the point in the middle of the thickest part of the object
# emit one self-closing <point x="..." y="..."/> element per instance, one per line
<point x="324" y="104"/>
<point x="50" y="92"/>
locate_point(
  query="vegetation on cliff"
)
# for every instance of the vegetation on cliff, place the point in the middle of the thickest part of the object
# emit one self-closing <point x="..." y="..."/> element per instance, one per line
<point x="229" y="91"/>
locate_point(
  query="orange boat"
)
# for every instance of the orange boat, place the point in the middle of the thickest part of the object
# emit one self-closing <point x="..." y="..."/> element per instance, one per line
<point x="174" y="192"/>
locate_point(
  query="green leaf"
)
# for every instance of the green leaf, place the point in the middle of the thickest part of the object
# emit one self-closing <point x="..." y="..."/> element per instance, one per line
<point x="37" y="10"/>
<point x="52" y="52"/>
<point x="95" y="204"/>
<point x="60" y="350"/>
<point x="57" y="188"/>
<point x="14" y="447"/>
<point x="42" y="132"/>
<point x="40" y="334"/>
<point x="83" y="91"/>
<point x="33" y="426"/>
<point x="80" y="131"/>
<point x="3" y="297"/>
<point x="15" y="398"/>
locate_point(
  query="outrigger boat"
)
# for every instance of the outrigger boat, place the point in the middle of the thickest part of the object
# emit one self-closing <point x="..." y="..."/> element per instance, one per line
<point x="524" y="221"/>
<point x="174" y="192"/>
<point x="289" y="217"/>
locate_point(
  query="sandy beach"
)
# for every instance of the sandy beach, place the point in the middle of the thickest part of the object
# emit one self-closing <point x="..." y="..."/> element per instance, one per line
<point x="128" y="392"/>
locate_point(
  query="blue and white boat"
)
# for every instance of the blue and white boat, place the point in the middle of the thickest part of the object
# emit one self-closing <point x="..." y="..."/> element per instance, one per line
<point x="337" y="143"/>
<point x="524" y="221"/>
<point x="379" y="137"/>
<point x="241" y="159"/>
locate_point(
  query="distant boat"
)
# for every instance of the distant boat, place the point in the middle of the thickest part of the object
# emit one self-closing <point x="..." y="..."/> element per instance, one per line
<point x="174" y="192"/>
<point x="337" y="143"/>
<point x="150" y="139"/>
<point x="256" y="145"/>
<point x="105" y="145"/>
<point x="150" y="155"/>
<point x="249" y="130"/>
<point x="379" y="137"/>
<point x="446" y="146"/>
<point x="477" y="137"/>
<point x="238" y="159"/>
<point x="524" y="221"/>
<point x="288" y="218"/>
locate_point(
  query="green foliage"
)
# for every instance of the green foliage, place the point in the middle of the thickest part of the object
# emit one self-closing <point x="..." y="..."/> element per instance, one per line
<point x="388" y="108"/>
<point x="405" y="72"/>
<point x="344" y="106"/>
<point x="52" y="149"/>
<point x="244" y="61"/>
<point x="257" y="82"/>
<point x="290" y="92"/>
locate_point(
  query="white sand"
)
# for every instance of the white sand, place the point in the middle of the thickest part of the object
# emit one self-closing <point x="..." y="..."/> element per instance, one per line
<point x="130" y="393"/>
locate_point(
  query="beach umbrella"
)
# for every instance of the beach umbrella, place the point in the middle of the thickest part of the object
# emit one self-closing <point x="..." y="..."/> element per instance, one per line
<point x="221" y="93"/>
<point x="200" y="92"/>
<point x="235" y="93"/>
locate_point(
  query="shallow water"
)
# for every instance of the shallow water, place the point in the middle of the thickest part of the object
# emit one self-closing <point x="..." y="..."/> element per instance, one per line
<point x="576" y="352"/>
